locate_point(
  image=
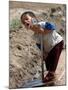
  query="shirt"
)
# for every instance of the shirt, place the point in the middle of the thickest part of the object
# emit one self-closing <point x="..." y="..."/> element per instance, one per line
<point x="47" y="25"/>
<point x="49" y="40"/>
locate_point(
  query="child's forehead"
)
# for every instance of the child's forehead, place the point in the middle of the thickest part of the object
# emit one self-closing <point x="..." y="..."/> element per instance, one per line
<point x="26" y="16"/>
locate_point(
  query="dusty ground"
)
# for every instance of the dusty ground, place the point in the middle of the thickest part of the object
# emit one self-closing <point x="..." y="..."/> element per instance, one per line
<point x="25" y="57"/>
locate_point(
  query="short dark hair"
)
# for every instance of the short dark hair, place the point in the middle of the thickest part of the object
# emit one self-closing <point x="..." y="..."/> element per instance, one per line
<point x="28" y="13"/>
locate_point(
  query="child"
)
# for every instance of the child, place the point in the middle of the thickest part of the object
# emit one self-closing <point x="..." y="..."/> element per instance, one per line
<point x="52" y="41"/>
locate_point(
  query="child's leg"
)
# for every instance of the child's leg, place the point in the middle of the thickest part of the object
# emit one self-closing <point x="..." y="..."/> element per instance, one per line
<point x="53" y="57"/>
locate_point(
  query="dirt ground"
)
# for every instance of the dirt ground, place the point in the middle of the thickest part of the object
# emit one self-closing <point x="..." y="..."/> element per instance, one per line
<point x="25" y="57"/>
<point x="61" y="69"/>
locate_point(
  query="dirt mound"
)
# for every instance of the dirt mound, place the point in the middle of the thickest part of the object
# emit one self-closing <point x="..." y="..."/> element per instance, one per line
<point x="25" y="57"/>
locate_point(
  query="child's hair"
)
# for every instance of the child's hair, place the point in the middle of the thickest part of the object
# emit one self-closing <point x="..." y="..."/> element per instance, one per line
<point x="28" y="13"/>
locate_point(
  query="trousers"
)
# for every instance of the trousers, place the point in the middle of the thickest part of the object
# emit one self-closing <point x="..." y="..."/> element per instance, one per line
<point x="52" y="59"/>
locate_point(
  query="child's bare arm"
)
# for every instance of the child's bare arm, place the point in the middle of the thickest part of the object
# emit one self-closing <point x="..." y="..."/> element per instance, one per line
<point x="38" y="29"/>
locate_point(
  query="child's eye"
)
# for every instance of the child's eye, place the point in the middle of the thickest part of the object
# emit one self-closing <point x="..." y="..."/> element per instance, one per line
<point x="26" y="19"/>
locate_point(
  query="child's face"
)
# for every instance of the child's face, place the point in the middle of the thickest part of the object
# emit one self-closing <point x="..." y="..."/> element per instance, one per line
<point x="26" y="20"/>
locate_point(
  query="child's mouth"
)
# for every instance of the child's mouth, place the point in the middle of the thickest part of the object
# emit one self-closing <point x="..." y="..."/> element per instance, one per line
<point x="27" y="24"/>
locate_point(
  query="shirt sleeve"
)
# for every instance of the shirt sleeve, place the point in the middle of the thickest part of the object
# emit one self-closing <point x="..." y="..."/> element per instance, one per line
<point x="47" y="25"/>
<point x="50" y="26"/>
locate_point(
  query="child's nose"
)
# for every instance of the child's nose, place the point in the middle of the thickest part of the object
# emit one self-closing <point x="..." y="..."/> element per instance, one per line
<point x="26" y="21"/>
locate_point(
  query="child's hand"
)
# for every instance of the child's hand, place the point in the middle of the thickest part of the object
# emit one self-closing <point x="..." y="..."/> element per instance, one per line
<point x="37" y="29"/>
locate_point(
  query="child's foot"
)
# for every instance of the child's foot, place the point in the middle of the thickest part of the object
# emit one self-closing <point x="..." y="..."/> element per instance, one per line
<point x="49" y="77"/>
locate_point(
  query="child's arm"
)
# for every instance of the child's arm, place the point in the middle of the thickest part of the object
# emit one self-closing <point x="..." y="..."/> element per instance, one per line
<point x="38" y="29"/>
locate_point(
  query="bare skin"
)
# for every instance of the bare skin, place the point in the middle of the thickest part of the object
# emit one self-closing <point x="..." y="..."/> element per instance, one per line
<point x="38" y="29"/>
<point x="26" y="20"/>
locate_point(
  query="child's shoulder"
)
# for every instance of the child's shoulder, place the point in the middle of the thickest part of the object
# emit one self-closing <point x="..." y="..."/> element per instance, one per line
<point x="47" y="25"/>
<point x="42" y="24"/>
